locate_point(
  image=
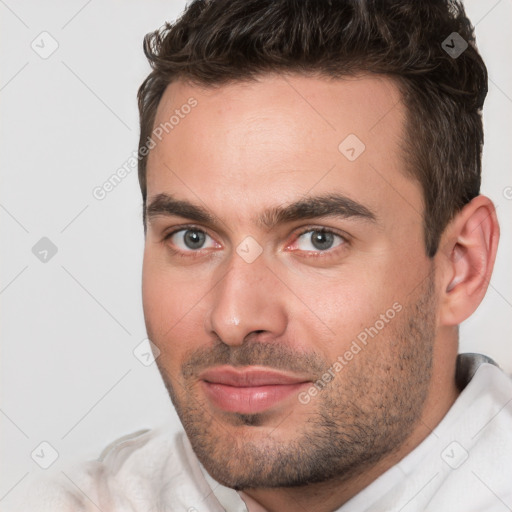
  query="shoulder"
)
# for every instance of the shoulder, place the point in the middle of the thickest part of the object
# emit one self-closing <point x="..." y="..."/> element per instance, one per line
<point x="127" y="475"/>
<point x="476" y="466"/>
<point x="133" y="449"/>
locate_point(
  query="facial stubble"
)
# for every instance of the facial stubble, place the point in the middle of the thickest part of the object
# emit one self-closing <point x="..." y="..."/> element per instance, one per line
<point x="365" y="413"/>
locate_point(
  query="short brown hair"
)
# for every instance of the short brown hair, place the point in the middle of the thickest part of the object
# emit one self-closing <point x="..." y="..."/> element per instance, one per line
<point x="219" y="41"/>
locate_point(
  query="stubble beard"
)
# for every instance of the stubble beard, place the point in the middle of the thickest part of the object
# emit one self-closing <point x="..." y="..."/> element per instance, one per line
<point x="365" y="413"/>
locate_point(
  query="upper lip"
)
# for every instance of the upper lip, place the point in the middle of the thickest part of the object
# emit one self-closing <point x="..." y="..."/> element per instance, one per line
<point x="230" y="376"/>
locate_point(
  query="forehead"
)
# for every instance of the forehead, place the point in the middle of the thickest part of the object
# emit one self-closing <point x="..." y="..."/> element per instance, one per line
<point x="253" y="144"/>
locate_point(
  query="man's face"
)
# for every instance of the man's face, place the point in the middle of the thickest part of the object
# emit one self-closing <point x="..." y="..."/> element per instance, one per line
<point x="285" y="279"/>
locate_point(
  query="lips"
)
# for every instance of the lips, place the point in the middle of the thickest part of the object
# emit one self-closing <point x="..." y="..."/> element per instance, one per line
<point x="248" y="390"/>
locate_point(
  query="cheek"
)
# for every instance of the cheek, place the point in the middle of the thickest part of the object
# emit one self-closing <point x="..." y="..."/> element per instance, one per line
<point x="343" y="303"/>
<point x="172" y="308"/>
<point x="157" y="300"/>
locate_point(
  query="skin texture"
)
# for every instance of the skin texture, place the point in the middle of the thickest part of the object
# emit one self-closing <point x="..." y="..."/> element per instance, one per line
<point x="252" y="146"/>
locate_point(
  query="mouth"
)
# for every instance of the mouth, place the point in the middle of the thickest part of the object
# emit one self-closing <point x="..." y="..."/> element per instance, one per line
<point x="250" y="390"/>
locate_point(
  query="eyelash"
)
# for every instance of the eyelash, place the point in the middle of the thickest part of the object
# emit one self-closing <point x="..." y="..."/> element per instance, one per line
<point x="177" y="252"/>
<point x="314" y="254"/>
<point x="328" y="252"/>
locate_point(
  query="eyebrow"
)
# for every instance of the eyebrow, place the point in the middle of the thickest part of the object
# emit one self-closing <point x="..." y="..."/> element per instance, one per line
<point x="166" y="205"/>
<point x="331" y="205"/>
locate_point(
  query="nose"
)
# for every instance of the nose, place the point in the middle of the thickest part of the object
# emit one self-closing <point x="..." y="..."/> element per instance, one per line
<point x="246" y="300"/>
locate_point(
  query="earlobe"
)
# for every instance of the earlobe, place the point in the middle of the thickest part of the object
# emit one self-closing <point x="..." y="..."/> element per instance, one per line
<point x="469" y="243"/>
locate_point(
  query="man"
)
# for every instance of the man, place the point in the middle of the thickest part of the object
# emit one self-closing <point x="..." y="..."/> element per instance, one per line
<point x="310" y="174"/>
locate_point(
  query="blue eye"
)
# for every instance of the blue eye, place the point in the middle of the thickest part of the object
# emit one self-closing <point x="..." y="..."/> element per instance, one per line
<point x="191" y="239"/>
<point x="318" y="240"/>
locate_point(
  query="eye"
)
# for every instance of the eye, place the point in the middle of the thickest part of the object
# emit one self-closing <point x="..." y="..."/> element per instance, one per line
<point x="191" y="240"/>
<point x="318" y="240"/>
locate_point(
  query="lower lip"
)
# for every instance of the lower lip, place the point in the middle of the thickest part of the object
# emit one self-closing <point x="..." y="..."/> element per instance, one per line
<point x="249" y="400"/>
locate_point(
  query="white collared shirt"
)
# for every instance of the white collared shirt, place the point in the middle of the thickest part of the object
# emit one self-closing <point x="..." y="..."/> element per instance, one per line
<point x="464" y="465"/>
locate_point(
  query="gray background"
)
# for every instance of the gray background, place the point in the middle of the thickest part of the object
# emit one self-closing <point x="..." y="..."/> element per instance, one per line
<point x="70" y="324"/>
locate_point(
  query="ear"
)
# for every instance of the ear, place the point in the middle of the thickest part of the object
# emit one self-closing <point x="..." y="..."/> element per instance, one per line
<point x="466" y="259"/>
